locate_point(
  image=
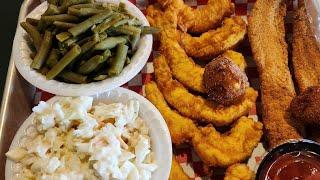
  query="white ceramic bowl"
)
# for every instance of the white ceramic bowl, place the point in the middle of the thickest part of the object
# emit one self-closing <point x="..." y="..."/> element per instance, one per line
<point x="21" y="55"/>
<point x="160" y="137"/>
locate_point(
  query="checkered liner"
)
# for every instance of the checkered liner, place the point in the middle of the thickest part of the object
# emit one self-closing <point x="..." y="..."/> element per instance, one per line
<point x="185" y="155"/>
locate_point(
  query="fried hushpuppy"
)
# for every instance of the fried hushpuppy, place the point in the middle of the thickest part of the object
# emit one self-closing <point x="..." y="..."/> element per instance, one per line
<point x="224" y="81"/>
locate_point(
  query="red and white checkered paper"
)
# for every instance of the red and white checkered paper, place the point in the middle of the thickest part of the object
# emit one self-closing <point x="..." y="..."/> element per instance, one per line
<point x="185" y="155"/>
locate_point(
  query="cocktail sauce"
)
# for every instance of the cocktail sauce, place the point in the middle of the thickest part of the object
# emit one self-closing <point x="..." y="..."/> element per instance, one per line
<point x="297" y="165"/>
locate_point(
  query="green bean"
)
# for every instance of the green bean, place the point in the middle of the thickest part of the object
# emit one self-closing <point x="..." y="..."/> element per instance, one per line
<point x="122" y="7"/>
<point x="43" y="51"/>
<point x="52" y="10"/>
<point x="67" y="3"/>
<point x="72" y="77"/>
<point x="87" y="46"/>
<point x="109" y="43"/>
<point x="95" y="5"/>
<point x="54" y="2"/>
<point x="52" y="58"/>
<point x="84" y="40"/>
<point x="91" y="64"/>
<point x="121" y="22"/>
<point x="134" y="40"/>
<point x="33" y="22"/>
<point x="100" y="77"/>
<point x="106" y="54"/>
<point x="85" y="25"/>
<point x="63" y="36"/>
<point x="84" y="11"/>
<point x="149" y="30"/>
<point x="107" y="24"/>
<point x="118" y="63"/>
<point x="63" y="25"/>
<point x="59" y="17"/>
<point x="129" y="30"/>
<point x="64" y="61"/>
<point x="33" y="33"/>
<point x="71" y="41"/>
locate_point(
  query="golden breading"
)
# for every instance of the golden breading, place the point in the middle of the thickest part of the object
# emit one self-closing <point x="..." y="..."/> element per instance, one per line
<point x="197" y="107"/>
<point x="239" y="172"/>
<point x="214" y="42"/>
<point x="202" y="19"/>
<point x="306" y="54"/>
<point x="213" y="148"/>
<point x="267" y="38"/>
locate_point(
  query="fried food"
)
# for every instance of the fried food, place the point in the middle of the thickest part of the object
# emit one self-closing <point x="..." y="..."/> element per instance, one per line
<point x="213" y="148"/>
<point x="197" y="107"/>
<point x="192" y="20"/>
<point x="209" y="44"/>
<point x="267" y="38"/>
<point x="224" y="82"/>
<point x="177" y="171"/>
<point x="306" y="54"/>
<point x="306" y="106"/>
<point x="239" y="172"/>
<point x="214" y="42"/>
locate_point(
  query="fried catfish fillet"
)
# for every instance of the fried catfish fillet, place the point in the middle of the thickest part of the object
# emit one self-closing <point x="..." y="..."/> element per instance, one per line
<point x="213" y="148"/>
<point x="197" y="107"/>
<point x="306" y="54"/>
<point x="267" y="38"/>
<point x="177" y="171"/>
<point x="199" y="20"/>
<point x="214" y="42"/>
<point x="209" y="44"/>
<point x="239" y="172"/>
<point x="185" y="70"/>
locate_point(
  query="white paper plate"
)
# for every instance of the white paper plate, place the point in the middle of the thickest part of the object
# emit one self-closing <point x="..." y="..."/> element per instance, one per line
<point x="22" y="60"/>
<point x="160" y="137"/>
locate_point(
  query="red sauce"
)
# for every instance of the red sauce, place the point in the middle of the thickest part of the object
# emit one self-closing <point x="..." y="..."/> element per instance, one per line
<point x="296" y="165"/>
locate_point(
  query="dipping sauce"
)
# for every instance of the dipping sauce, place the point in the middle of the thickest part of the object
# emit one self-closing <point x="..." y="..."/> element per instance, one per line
<point x="297" y="165"/>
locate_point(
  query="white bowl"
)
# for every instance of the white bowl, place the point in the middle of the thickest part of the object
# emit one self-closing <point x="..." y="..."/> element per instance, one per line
<point x="160" y="137"/>
<point x="21" y="55"/>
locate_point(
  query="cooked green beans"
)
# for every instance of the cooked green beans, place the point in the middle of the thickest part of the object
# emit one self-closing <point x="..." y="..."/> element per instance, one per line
<point x="33" y="33"/>
<point x="119" y="60"/>
<point x="109" y="43"/>
<point x="85" y="25"/>
<point x="73" y="77"/>
<point x="42" y="54"/>
<point x="68" y="58"/>
<point x="149" y="30"/>
<point x="78" y="41"/>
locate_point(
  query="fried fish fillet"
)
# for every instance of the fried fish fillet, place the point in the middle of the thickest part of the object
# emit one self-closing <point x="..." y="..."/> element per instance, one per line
<point x="197" y="107"/>
<point x="202" y="19"/>
<point x="213" y="148"/>
<point x="214" y="42"/>
<point x="185" y="70"/>
<point x="205" y="47"/>
<point x="239" y="172"/>
<point x="267" y="38"/>
<point x="177" y="171"/>
<point x="306" y="54"/>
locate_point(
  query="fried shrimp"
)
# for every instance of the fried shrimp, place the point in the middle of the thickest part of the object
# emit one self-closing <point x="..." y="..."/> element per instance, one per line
<point x="213" y="148"/>
<point x="192" y="20"/>
<point x="239" y="172"/>
<point x="197" y="107"/>
<point x="214" y="42"/>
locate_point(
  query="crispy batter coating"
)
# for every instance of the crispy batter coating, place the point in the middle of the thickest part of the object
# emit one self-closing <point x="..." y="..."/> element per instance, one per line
<point x="306" y="106"/>
<point x="214" y="42"/>
<point x="224" y="81"/>
<point x="267" y="38"/>
<point x="177" y="171"/>
<point x="213" y="148"/>
<point x="197" y="107"/>
<point x="239" y="172"/>
<point x="208" y="45"/>
<point x="306" y="54"/>
<point x="192" y="20"/>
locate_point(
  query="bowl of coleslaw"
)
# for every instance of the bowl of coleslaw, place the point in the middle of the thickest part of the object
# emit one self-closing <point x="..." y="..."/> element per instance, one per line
<point x="115" y="135"/>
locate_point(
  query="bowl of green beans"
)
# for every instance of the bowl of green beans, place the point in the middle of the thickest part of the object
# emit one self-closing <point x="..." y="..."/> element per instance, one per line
<point x="82" y="47"/>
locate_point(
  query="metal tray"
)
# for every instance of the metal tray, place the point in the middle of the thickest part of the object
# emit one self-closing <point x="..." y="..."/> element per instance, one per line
<point x="17" y="99"/>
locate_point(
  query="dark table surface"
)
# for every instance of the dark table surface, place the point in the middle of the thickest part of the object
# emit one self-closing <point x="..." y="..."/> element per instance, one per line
<point x="9" y="12"/>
